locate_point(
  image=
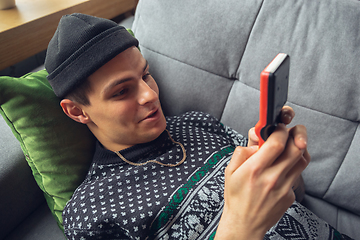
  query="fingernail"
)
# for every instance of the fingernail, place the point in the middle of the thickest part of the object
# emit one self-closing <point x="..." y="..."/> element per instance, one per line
<point x="288" y="116"/>
<point x="304" y="140"/>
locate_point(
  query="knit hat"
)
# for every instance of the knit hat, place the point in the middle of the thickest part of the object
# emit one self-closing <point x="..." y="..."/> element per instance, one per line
<point x="80" y="46"/>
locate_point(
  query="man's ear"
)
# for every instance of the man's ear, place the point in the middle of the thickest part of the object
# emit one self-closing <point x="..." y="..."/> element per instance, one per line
<point x="74" y="111"/>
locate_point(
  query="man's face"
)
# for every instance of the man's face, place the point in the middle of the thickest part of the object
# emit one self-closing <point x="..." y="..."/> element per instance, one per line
<point x="124" y="105"/>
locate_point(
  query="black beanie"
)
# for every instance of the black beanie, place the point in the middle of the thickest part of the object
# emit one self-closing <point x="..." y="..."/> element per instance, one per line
<point x="79" y="47"/>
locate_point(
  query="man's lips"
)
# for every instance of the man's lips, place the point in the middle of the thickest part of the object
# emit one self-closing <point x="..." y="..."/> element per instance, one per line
<point x="151" y="115"/>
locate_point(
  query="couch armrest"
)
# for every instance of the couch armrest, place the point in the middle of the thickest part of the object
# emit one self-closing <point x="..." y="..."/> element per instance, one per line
<point x="20" y="195"/>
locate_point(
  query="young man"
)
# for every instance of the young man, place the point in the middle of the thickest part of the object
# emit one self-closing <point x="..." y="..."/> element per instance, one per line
<point x="163" y="178"/>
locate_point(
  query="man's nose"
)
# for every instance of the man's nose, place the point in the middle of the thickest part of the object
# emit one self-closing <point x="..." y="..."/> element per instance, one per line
<point x="146" y="94"/>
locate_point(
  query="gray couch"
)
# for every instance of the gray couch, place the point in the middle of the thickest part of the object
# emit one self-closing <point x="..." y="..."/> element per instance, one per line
<point x="208" y="56"/>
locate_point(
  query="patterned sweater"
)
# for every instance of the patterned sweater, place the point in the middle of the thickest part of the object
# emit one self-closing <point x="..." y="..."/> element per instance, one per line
<point x="118" y="200"/>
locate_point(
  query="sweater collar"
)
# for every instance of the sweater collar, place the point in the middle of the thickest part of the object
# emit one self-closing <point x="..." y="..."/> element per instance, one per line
<point x="136" y="153"/>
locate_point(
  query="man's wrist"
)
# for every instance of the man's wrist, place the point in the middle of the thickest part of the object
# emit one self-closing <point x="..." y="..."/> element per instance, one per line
<point x="230" y="228"/>
<point x="299" y="189"/>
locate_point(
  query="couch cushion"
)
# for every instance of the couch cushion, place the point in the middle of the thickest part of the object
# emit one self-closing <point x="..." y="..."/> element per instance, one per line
<point x="196" y="34"/>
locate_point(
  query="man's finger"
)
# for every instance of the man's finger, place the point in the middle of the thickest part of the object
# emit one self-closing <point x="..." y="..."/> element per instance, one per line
<point x="240" y="155"/>
<point x="253" y="138"/>
<point x="299" y="134"/>
<point x="287" y="115"/>
<point x="274" y="145"/>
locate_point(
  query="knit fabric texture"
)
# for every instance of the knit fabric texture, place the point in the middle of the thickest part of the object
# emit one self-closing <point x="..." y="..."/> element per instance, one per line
<point x="122" y="201"/>
<point x="80" y="46"/>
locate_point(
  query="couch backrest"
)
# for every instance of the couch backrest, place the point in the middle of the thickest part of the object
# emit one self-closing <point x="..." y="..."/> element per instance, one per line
<point x="208" y="56"/>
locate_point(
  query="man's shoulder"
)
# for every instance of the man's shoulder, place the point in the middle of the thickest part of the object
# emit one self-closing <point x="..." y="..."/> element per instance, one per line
<point x="194" y="124"/>
<point x="193" y="116"/>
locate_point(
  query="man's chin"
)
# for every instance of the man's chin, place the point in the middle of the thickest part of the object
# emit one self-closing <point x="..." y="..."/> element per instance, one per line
<point x="158" y="132"/>
<point x="153" y="129"/>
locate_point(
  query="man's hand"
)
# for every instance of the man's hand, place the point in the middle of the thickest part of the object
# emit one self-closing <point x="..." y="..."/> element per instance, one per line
<point x="287" y="115"/>
<point x="258" y="182"/>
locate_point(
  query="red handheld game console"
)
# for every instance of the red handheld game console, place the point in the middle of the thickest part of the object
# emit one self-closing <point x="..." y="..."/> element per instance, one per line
<point x="274" y="81"/>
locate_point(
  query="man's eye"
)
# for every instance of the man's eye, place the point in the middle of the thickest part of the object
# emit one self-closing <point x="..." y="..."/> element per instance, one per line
<point x="120" y="93"/>
<point x="146" y="76"/>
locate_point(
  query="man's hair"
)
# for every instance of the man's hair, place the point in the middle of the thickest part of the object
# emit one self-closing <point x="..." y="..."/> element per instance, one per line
<point x="80" y="93"/>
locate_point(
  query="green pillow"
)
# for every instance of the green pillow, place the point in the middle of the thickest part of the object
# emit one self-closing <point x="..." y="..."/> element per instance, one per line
<point x="58" y="149"/>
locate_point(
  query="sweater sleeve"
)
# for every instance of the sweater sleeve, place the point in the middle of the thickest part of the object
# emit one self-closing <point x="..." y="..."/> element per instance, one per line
<point x="237" y="138"/>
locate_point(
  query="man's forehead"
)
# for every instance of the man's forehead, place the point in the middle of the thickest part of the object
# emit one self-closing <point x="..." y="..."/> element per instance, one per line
<point x="120" y="79"/>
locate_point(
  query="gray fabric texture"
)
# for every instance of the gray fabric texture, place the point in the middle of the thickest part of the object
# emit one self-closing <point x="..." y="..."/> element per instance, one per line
<point x="39" y="225"/>
<point x="20" y="194"/>
<point x="208" y="57"/>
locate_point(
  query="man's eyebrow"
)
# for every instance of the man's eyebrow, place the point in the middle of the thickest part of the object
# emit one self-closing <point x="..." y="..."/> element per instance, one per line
<point x="120" y="81"/>
<point x="113" y="84"/>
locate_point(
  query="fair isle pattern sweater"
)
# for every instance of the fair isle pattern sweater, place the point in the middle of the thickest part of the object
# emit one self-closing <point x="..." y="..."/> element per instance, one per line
<point x="122" y="201"/>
